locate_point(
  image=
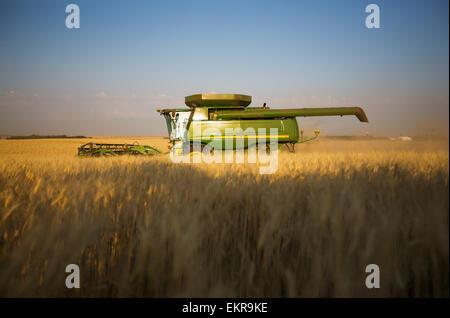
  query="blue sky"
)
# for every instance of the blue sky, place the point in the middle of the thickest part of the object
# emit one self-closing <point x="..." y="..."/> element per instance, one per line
<point x="131" y="57"/>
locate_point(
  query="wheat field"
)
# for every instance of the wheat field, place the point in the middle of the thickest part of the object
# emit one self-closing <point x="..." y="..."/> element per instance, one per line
<point x="147" y="227"/>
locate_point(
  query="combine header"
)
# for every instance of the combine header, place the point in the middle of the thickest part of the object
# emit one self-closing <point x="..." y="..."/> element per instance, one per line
<point x="97" y="150"/>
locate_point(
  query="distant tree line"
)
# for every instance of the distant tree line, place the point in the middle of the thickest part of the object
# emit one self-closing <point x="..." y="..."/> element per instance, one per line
<point x="43" y="137"/>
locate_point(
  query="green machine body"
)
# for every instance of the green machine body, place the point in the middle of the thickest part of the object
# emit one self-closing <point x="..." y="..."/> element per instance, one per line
<point x="228" y="119"/>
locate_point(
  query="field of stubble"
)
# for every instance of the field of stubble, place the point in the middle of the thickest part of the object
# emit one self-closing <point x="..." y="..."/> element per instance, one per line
<point x="146" y="227"/>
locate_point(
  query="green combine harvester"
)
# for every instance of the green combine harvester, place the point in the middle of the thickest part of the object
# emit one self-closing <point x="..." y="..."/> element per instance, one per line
<point x="210" y="117"/>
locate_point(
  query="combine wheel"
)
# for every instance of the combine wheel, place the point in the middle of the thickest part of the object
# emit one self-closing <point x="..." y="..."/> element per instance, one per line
<point x="290" y="147"/>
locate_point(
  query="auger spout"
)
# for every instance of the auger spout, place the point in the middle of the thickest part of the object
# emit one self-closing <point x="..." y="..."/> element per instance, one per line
<point x="259" y="113"/>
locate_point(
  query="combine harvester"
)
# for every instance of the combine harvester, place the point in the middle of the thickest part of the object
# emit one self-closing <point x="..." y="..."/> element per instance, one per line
<point x="226" y="112"/>
<point x="222" y="113"/>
